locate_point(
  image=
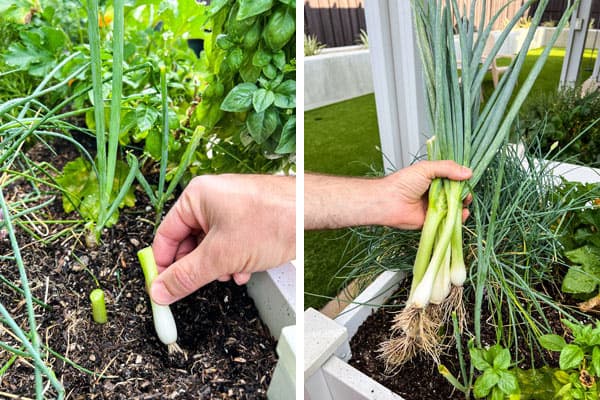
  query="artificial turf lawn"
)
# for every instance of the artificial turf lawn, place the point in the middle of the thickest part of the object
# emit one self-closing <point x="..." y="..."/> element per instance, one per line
<point x="340" y="139"/>
<point x="549" y="78"/>
<point x="343" y="139"/>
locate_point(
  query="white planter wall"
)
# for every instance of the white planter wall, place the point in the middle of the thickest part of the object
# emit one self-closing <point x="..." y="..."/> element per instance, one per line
<point x="274" y="295"/>
<point x="335" y="76"/>
<point x="327" y="375"/>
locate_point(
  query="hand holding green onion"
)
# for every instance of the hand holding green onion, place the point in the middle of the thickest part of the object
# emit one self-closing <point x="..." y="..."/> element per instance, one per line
<point x="397" y="200"/>
<point x="467" y="132"/>
<point x="224" y="226"/>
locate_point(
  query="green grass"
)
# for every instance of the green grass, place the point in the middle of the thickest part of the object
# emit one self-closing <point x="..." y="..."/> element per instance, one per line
<point x="340" y="139"/>
<point x="550" y="75"/>
<point x="343" y="139"/>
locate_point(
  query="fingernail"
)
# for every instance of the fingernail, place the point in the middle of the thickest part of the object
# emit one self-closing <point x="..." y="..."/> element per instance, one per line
<point x="160" y="294"/>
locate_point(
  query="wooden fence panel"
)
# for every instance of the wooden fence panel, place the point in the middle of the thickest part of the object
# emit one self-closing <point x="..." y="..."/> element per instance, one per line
<point x="335" y="22"/>
<point x="338" y="22"/>
<point x="556" y="8"/>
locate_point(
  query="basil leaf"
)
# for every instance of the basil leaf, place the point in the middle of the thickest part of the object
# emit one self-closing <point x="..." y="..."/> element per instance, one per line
<point x="262" y="99"/>
<point x="261" y="58"/>
<point x="285" y="94"/>
<point x="570" y="357"/>
<point x="502" y="359"/>
<point x="270" y="71"/>
<point x="239" y="99"/>
<point x="262" y="125"/>
<point x="485" y="383"/>
<point x="250" y="8"/>
<point x="216" y="6"/>
<point x="287" y="142"/>
<point x="552" y="342"/>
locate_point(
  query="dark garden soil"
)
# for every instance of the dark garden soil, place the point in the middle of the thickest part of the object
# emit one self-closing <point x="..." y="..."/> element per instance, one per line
<point x="419" y="378"/>
<point x="229" y="352"/>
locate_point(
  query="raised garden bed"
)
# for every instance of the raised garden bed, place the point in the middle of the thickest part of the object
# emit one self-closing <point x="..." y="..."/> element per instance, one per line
<point x="106" y="115"/>
<point x="355" y="335"/>
<point x="230" y="352"/>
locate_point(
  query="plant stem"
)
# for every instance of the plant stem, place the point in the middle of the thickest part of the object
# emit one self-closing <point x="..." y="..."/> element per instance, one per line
<point x="26" y="291"/>
<point x="96" y="57"/>
<point x="164" y="155"/>
<point x="98" y="306"/>
<point x="115" y="104"/>
<point x="435" y="215"/>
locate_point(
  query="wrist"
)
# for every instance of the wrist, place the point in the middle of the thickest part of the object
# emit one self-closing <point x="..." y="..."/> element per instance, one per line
<point x="337" y="202"/>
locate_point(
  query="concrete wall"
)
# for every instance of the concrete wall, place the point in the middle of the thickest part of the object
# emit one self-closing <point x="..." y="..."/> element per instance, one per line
<point x="337" y="75"/>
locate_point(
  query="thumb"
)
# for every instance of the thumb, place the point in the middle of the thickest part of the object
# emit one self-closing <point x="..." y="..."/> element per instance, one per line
<point x="185" y="276"/>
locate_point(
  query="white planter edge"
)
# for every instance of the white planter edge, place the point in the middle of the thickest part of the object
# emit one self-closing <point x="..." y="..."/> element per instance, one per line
<point x="274" y="295"/>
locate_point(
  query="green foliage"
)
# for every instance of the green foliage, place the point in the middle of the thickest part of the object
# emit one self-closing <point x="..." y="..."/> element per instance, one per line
<point x="312" y="46"/>
<point x="581" y="240"/>
<point x="496" y="380"/>
<point x="564" y="115"/>
<point x="583" y="276"/>
<point x="248" y="102"/>
<point x="38" y="51"/>
<point x="363" y="39"/>
<point x="579" y="361"/>
<point x="81" y="190"/>
<point x="535" y="384"/>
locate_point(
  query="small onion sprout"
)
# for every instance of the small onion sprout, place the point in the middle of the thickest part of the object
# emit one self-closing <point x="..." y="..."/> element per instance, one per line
<point x="98" y="306"/>
<point x="164" y="323"/>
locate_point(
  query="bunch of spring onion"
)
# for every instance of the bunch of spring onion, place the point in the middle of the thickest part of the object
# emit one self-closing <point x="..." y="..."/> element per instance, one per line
<point x="471" y="135"/>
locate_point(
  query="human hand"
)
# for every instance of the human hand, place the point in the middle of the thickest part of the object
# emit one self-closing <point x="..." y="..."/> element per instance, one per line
<point x="408" y="187"/>
<point x="223" y="226"/>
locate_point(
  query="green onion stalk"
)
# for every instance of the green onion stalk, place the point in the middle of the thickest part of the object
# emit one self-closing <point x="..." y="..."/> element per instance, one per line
<point x="164" y="323"/>
<point x="467" y="132"/>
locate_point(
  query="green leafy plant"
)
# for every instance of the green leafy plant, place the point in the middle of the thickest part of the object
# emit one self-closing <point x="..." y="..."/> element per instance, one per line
<point x="570" y="122"/>
<point x="160" y="196"/>
<point x="28" y="339"/>
<point x="579" y="361"/>
<point x="581" y="241"/>
<point x="495" y="381"/>
<point x="363" y="39"/>
<point x="312" y="46"/>
<point x="249" y="98"/>
<point x="99" y="200"/>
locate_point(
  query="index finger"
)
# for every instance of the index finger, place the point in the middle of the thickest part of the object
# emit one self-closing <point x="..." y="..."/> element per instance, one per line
<point x="179" y="223"/>
<point x="446" y="169"/>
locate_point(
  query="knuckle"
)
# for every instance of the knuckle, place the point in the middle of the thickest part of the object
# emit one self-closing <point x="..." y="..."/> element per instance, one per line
<point x="184" y="280"/>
